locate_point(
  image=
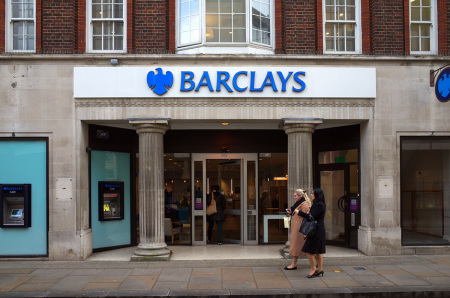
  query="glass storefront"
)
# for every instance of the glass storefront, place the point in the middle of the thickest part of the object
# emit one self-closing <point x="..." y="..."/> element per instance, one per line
<point x="425" y="190"/>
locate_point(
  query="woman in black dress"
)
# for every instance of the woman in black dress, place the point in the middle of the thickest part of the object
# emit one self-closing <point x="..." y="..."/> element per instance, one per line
<point x="219" y="216"/>
<point x="314" y="247"/>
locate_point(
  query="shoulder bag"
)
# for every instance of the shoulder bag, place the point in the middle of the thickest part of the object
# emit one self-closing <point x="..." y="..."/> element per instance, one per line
<point x="308" y="227"/>
<point x="211" y="209"/>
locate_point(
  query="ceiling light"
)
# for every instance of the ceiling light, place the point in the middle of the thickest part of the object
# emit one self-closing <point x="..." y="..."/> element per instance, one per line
<point x="225" y="123"/>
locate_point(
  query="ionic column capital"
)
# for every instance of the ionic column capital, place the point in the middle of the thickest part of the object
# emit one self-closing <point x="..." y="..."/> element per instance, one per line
<point x="299" y="125"/>
<point x="150" y="125"/>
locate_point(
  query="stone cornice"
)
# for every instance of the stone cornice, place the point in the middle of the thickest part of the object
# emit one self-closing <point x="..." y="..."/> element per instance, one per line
<point x="223" y="102"/>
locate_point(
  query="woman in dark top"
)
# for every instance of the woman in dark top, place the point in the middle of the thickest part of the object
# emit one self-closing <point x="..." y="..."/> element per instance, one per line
<point x="219" y="216"/>
<point x="314" y="247"/>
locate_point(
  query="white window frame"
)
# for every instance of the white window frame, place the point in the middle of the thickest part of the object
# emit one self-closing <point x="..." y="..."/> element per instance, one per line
<point x="358" y="31"/>
<point x="90" y="28"/>
<point x="247" y="47"/>
<point x="9" y="27"/>
<point x="433" y="30"/>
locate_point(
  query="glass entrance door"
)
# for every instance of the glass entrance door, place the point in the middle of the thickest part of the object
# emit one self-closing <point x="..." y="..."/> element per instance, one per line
<point x="234" y="175"/>
<point x="340" y="186"/>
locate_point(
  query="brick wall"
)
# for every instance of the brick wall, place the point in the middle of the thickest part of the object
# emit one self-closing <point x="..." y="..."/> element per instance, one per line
<point x="300" y="26"/>
<point x="387" y="27"/>
<point x="58" y="27"/>
<point x="2" y="26"/>
<point x="443" y="27"/>
<point x="151" y="32"/>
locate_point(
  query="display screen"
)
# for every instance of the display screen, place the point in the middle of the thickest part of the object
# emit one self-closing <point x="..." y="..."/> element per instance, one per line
<point x="16" y="212"/>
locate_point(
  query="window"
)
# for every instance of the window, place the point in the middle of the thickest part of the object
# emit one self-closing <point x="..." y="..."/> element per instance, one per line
<point x="21" y="29"/>
<point x="107" y="26"/>
<point x="234" y="24"/>
<point x="342" y="26"/>
<point x="425" y="190"/>
<point x="422" y="31"/>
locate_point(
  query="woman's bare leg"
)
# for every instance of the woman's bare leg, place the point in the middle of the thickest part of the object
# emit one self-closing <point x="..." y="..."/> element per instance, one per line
<point x="294" y="262"/>
<point x="312" y="263"/>
<point x="319" y="259"/>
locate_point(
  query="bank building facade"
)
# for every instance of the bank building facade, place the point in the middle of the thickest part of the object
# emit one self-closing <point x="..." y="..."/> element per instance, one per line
<point x="119" y="118"/>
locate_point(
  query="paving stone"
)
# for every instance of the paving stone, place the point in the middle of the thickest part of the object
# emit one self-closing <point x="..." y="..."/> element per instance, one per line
<point x="235" y="285"/>
<point x="174" y="275"/>
<point x="7" y="283"/>
<point x="85" y="272"/>
<point x="102" y="286"/>
<point x="72" y="283"/>
<point x="311" y="283"/>
<point x="405" y="279"/>
<point x="267" y="269"/>
<point x="112" y="275"/>
<point x="420" y="270"/>
<point x="373" y="281"/>
<point x="357" y="270"/>
<point x="206" y="271"/>
<point x="147" y="272"/>
<point x="170" y="285"/>
<point x="33" y="287"/>
<point x="197" y="293"/>
<point x="148" y="281"/>
<point x="271" y="280"/>
<point x="204" y="282"/>
<point x="16" y="271"/>
<point x="237" y="275"/>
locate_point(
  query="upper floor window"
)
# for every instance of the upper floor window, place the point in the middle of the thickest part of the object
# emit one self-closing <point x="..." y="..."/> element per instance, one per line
<point x="211" y="26"/>
<point x="106" y="26"/>
<point x="21" y="29"/>
<point x="423" y="32"/>
<point x="342" y="26"/>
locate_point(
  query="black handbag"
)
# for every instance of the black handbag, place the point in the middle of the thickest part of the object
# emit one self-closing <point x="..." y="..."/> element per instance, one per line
<point x="308" y="227"/>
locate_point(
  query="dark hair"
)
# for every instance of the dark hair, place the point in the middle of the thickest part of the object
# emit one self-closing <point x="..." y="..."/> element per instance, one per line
<point x="318" y="195"/>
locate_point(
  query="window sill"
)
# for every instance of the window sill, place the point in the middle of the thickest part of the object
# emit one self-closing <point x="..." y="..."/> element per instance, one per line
<point x="226" y="49"/>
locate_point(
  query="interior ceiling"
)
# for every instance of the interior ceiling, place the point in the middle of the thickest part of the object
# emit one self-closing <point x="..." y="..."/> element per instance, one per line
<point x="217" y="124"/>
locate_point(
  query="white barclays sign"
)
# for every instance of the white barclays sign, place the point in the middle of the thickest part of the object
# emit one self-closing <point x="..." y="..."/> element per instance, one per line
<point x="264" y="82"/>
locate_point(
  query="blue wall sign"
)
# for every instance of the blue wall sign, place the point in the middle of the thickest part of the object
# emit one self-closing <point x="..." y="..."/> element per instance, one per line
<point x="442" y="88"/>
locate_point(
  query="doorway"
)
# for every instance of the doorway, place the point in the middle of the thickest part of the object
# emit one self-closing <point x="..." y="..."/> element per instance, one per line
<point x="340" y="184"/>
<point x="235" y="175"/>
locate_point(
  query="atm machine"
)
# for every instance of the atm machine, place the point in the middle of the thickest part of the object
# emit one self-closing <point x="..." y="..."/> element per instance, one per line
<point x="15" y="205"/>
<point x="110" y="200"/>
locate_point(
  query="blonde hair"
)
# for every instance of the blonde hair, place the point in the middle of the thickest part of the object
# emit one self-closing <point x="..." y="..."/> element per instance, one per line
<point x="303" y="194"/>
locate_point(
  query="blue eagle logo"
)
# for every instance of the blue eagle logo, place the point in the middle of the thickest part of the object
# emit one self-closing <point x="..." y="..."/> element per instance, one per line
<point x="443" y="85"/>
<point x="159" y="83"/>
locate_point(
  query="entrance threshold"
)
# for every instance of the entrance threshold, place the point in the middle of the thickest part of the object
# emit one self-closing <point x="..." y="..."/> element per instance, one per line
<point x="220" y="252"/>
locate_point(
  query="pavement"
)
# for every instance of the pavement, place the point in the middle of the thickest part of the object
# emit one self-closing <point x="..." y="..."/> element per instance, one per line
<point x="228" y="270"/>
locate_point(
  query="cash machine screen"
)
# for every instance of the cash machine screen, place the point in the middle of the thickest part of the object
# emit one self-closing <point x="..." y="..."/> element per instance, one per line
<point x="111" y="200"/>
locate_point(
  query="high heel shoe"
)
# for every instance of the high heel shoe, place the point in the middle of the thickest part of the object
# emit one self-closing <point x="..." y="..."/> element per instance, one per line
<point x="318" y="273"/>
<point x="293" y="268"/>
<point x="312" y="275"/>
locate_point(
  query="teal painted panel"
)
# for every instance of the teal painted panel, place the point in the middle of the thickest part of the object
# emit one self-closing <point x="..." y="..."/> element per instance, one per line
<point x="22" y="162"/>
<point x="110" y="166"/>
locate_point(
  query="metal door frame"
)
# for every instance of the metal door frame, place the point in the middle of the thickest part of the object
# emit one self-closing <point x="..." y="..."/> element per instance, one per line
<point x="244" y="157"/>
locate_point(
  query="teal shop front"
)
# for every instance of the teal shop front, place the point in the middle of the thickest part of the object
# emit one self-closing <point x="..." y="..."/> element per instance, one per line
<point x="25" y="161"/>
<point x="110" y="209"/>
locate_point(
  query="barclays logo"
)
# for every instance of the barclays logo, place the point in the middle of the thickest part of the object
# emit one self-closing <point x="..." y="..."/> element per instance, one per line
<point x="160" y="83"/>
<point x="442" y="88"/>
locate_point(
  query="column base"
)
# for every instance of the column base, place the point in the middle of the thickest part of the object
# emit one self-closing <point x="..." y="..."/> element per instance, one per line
<point x="151" y="253"/>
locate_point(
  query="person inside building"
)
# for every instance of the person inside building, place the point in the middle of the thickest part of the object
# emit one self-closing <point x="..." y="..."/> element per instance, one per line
<point x="276" y="201"/>
<point x="297" y="239"/>
<point x="219" y="216"/>
<point x="314" y="247"/>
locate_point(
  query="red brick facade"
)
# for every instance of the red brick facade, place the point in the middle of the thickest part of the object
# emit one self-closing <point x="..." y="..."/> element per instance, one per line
<point x="300" y="26"/>
<point x="151" y="27"/>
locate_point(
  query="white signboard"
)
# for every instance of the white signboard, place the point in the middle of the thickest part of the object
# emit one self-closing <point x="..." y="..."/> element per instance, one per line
<point x="263" y="82"/>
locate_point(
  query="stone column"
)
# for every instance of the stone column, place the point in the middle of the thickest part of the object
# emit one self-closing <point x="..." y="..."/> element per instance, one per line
<point x="152" y="246"/>
<point x="300" y="163"/>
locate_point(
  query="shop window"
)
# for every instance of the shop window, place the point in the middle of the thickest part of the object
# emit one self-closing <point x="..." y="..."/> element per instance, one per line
<point x="21" y="28"/>
<point x="107" y="26"/>
<point x="177" y="189"/>
<point x="273" y="197"/>
<point x="425" y="191"/>
<point x="235" y="26"/>
<point x="423" y="27"/>
<point x="342" y="26"/>
<point x="339" y="156"/>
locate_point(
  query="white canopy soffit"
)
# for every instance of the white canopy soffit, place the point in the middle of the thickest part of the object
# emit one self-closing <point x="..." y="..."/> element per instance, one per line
<point x="239" y="82"/>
